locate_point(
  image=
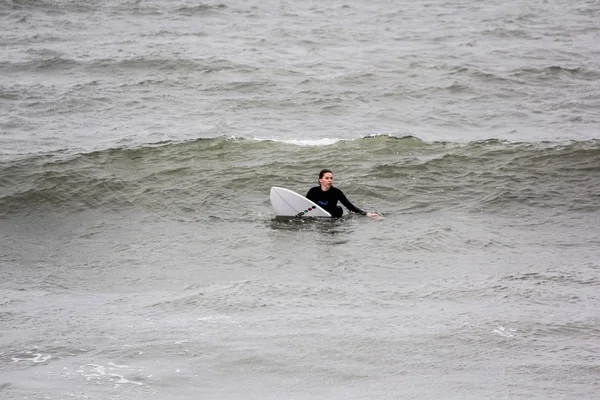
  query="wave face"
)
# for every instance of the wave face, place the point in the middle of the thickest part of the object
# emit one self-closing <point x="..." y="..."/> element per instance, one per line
<point x="226" y="175"/>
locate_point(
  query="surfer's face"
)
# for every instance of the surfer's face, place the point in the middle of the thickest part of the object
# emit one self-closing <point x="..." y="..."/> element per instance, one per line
<point x="326" y="181"/>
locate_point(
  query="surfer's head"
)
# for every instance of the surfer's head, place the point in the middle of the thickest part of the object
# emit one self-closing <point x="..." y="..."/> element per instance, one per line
<point x="326" y="179"/>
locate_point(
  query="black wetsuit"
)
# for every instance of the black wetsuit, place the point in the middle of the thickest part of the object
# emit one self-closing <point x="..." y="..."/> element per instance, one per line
<point x="328" y="201"/>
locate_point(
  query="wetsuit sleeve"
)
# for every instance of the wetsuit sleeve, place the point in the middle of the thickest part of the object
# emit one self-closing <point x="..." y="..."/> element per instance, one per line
<point x="311" y="195"/>
<point x="344" y="200"/>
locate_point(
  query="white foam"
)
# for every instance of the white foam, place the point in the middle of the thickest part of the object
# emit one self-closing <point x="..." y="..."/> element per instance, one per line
<point x="304" y="142"/>
<point x="312" y="142"/>
<point x="99" y="373"/>
<point x="504" y="331"/>
<point x="223" y="319"/>
<point x="37" y="358"/>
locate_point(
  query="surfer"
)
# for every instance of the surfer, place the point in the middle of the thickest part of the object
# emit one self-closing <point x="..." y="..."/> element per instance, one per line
<point x="326" y="196"/>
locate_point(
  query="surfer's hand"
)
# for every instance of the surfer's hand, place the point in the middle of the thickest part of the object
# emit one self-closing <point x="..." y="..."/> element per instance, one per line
<point x="374" y="215"/>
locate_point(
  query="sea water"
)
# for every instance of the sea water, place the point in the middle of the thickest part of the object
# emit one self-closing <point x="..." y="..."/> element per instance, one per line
<point x="139" y="253"/>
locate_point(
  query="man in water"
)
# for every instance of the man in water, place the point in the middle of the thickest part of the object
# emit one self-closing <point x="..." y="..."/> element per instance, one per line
<point x="326" y="196"/>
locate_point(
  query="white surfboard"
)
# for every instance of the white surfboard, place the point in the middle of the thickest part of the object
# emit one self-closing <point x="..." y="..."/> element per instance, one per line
<point x="290" y="204"/>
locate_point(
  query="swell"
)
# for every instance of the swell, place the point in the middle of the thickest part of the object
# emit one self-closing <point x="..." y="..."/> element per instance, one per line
<point x="554" y="72"/>
<point x="485" y="176"/>
<point x="49" y="63"/>
<point x="488" y="175"/>
<point x="46" y="62"/>
<point x="127" y="7"/>
<point x="522" y="75"/>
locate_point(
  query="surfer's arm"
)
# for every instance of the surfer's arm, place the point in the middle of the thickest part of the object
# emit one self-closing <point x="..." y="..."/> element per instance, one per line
<point x="344" y="200"/>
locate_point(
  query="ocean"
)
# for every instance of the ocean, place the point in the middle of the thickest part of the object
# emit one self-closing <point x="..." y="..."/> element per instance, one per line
<point x="140" y="257"/>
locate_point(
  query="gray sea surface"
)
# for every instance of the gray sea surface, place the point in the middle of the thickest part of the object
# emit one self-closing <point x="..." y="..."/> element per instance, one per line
<point x="140" y="256"/>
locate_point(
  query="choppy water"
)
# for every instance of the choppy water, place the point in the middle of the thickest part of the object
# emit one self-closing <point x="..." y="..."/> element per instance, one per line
<point x="139" y="254"/>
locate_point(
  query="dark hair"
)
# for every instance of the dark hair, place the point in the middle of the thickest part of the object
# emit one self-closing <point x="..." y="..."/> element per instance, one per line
<point x="323" y="172"/>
